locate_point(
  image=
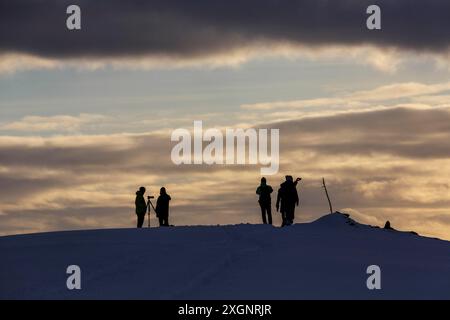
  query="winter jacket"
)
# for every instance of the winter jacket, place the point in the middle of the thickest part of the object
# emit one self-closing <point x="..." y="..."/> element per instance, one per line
<point x="162" y="205"/>
<point x="287" y="196"/>
<point x="141" y="205"/>
<point x="264" y="191"/>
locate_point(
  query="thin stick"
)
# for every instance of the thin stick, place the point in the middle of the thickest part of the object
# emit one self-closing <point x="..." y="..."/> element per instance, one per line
<point x="150" y="204"/>
<point x="148" y="210"/>
<point x="328" y="197"/>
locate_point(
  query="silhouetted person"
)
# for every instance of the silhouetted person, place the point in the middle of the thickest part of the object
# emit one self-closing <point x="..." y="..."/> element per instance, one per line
<point x="141" y="206"/>
<point x="288" y="198"/>
<point x="265" y="201"/>
<point x="162" y="208"/>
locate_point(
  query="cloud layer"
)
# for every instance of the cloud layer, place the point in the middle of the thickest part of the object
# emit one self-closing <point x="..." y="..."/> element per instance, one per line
<point x="178" y="27"/>
<point x="54" y="123"/>
<point x="213" y="31"/>
<point x="380" y="164"/>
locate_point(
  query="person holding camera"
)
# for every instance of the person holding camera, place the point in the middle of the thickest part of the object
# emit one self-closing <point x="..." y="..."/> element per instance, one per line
<point x="287" y="199"/>
<point x="162" y="208"/>
<point x="141" y="207"/>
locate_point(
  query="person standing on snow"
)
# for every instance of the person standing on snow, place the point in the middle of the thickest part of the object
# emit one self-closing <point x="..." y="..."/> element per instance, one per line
<point x="162" y="208"/>
<point x="141" y="207"/>
<point x="265" y="202"/>
<point x="287" y="199"/>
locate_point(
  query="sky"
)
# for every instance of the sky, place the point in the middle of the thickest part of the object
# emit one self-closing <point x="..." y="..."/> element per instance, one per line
<point x="86" y="116"/>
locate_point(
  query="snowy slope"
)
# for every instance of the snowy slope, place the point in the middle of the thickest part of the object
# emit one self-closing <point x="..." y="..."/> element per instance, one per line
<point x="324" y="259"/>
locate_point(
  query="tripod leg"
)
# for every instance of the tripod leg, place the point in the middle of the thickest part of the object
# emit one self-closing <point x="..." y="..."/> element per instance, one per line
<point x="148" y="210"/>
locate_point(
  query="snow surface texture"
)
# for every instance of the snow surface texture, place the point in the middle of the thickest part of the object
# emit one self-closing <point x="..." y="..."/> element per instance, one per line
<point x="325" y="259"/>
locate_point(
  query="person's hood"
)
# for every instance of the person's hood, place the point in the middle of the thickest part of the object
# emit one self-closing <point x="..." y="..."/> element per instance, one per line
<point x="139" y="193"/>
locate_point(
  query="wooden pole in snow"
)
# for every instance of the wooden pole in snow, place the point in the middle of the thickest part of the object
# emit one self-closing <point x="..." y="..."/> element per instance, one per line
<point x="328" y="197"/>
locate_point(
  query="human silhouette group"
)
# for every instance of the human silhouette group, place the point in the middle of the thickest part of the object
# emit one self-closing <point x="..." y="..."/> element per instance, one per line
<point x="162" y="207"/>
<point x="287" y="200"/>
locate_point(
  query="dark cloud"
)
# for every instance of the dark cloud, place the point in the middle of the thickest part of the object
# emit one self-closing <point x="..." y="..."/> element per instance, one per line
<point x="131" y="154"/>
<point x="182" y="28"/>
<point x="402" y="132"/>
<point x="15" y="188"/>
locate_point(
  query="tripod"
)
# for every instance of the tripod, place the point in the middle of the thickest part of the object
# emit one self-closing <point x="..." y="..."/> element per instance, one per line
<point x="149" y="206"/>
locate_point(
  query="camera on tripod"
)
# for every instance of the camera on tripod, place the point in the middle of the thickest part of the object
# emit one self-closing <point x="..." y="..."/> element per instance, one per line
<point x="150" y="197"/>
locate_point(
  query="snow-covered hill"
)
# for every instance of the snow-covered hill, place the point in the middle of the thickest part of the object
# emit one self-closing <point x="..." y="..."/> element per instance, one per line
<point x="327" y="259"/>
